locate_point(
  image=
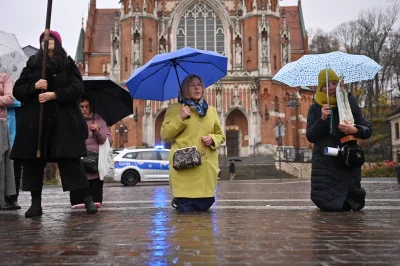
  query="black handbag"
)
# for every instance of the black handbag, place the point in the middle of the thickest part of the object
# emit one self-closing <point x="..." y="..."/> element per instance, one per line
<point x="351" y="155"/>
<point x="91" y="162"/>
<point x="187" y="157"/>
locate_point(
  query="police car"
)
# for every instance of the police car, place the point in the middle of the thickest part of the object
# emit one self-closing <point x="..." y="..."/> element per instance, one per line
<point x="134" y="165"/>
<point x="140" y="165"/>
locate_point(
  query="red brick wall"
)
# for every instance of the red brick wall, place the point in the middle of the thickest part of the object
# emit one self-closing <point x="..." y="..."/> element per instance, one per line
<point x="126" y="48"/>
<point x="275" y="44"/>
<point x="149" y="32"/>
<point x="250" y="58"/>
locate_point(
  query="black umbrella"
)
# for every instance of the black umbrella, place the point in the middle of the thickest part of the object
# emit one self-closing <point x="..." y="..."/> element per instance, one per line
<point x="111" y="101"/>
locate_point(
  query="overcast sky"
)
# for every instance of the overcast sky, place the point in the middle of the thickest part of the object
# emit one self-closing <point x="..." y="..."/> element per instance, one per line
<point x="26" y="18"/>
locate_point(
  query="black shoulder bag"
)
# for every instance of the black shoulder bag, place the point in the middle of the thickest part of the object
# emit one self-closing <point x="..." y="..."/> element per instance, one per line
<point x="91" y="162"/>
<point x="351" y="155"/>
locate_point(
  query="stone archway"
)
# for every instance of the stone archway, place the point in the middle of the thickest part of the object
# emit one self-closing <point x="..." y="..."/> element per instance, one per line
<point x="157" y="130"/>
<point x="237" y="131"/>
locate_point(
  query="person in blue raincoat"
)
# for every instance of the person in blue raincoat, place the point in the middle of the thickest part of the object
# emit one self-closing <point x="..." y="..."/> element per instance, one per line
<point x="12" y="128"/>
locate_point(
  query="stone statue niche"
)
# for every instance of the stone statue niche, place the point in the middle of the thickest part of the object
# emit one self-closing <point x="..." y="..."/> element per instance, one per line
<point x="136" y="51"/>
<point x="235" y="99"/>
<point x="162" y="46"/>
<point x="285" y="50"/>
<point x="115" y="50"/>
<point x="238" y="53"/>
<point x="254" y="101"/>
<point x="264" y="51"/>
<point x="219" y="101"/>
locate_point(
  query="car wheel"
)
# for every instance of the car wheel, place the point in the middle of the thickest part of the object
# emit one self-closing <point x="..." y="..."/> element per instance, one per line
<point x="130" y="178"/>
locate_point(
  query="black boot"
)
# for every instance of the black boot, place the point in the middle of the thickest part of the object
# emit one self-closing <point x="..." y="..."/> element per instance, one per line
<point x="89" y="205"/>
<point x="36" y="207"/>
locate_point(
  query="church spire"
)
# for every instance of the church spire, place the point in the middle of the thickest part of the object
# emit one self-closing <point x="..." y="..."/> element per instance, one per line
<point x="79" y="56"/>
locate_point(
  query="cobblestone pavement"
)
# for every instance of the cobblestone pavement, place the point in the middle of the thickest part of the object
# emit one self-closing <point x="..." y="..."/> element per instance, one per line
<point x="256" y="222"/>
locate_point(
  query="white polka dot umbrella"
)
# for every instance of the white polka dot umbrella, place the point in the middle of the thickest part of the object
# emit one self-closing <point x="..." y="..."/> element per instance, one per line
<point x="304" y="72"/>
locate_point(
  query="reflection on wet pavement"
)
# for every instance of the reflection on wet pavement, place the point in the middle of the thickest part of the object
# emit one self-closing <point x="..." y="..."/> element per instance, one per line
<point x="253" y="222"/>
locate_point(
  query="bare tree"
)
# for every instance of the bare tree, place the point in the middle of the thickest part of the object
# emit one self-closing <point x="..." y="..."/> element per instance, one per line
<point x="347" y="34"/>
<point x="375" y="27"/>
<point x="395" y="52"/>
<point x="322" y="42"/>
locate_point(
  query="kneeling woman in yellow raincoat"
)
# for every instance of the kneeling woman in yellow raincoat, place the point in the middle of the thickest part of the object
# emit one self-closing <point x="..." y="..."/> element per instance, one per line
<point x="192" y="122"/>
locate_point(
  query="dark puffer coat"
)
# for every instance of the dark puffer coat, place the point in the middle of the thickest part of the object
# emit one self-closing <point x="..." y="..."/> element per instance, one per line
<point x="64" y="127"/>
<point x="334" y="187"/>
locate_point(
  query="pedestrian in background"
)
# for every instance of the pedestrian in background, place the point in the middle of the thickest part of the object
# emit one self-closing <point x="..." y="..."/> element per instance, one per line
<point x="7" y="183"/>
<point x="192" y="122"/>
<point x="64" y="128"/>
<point x="12" y="114"/>
<point x="98" y="134"/>
<point x="232" y="170"/>
<point x="334" y="187"/>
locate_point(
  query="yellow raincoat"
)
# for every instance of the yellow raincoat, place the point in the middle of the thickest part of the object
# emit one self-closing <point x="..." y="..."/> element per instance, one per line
<point x="199" y="181"/>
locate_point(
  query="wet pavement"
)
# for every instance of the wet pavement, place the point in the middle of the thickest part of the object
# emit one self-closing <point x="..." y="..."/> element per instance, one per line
<point x="256" y="222"/>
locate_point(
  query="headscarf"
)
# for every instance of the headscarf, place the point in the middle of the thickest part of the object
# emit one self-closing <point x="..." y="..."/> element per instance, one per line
<point x="201" y="107"/>
<point x="321" y="97"/>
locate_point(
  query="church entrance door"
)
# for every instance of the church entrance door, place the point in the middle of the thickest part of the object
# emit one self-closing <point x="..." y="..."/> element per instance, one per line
<point x="232" y="143"/>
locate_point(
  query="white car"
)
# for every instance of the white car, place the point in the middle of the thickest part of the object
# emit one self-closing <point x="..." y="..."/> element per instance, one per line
<point x="134" y="165"/>
<point x="140" y="165"/>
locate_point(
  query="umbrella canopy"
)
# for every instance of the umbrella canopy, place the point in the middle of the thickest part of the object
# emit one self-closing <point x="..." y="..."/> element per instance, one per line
<point x="304" y="72"/>
<point x="109" y="100"/>
<point x="236" y="159"/>
<point x="160" y="78"/>
<point x="12" y="57"/>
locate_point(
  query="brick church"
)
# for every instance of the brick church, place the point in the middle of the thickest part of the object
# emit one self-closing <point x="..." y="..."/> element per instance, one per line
<point x="257" y="36"/>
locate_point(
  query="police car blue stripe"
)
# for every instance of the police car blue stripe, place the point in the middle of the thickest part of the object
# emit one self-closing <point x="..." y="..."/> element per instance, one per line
<point x="142" y="165"/>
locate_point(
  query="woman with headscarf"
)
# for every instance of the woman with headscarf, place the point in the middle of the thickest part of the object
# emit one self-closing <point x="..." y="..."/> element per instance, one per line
<point x="64" y="128"/>
<point x="192" y="122"/>
<point x="334" y="187"/>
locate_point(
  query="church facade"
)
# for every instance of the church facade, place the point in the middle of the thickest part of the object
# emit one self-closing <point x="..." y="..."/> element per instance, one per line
<point x="257" y="36"/>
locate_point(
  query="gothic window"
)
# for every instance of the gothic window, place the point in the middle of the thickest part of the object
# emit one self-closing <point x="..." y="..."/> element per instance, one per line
<point x="126" y="64"/>
<point x="276" y="104"/>
<point x="201" y="28"/>
<point x="275" y="62"/>
<point x="250" y="44"/>
<point x="150" y="45"/>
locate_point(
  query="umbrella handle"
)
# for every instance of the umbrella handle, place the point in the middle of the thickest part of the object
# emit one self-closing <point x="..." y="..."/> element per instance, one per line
<point x="327" y="82"/>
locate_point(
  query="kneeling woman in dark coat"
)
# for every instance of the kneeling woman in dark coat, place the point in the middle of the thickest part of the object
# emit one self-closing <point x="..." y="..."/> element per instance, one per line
<point x="334" y="187"/>
<point x="64" y="128"/>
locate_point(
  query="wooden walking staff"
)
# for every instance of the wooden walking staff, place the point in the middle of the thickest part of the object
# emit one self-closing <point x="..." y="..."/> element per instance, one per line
<point x="44" y="70"/>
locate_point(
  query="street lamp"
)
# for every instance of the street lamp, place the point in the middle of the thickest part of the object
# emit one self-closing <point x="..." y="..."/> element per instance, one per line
<point x="279" y="132"/>
<point x="293" y="105"/>
<point x="122" y="131"/>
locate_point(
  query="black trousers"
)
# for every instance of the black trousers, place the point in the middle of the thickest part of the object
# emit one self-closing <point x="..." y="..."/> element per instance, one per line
<point x="194" y="204"/>
<point x="96" y="189"/>
<point x="72" y="174"/>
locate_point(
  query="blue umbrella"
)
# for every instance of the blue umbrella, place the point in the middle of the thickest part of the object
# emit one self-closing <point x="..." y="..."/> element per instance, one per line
<point x="160" y="78"/>
<point x="304" y="72"/>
